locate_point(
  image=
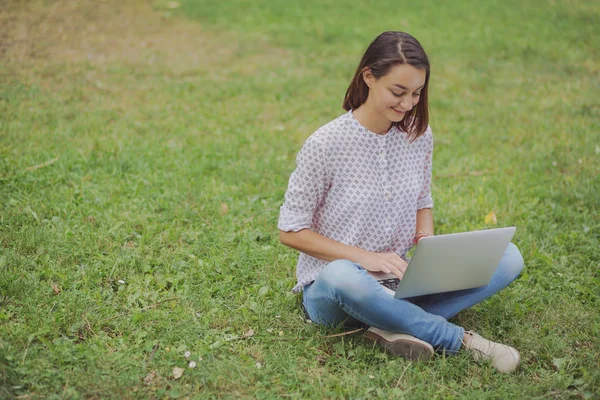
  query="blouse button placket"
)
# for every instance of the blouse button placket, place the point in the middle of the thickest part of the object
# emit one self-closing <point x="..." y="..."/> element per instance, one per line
<point x="386" y="180"/>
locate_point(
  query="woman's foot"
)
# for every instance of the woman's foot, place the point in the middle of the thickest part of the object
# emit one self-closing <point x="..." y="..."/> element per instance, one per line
<point x="400" y="344"/>
<point x="504" y="358"/>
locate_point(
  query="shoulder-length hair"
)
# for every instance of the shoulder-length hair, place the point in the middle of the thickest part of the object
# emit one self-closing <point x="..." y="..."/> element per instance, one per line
<point x="388" y="50"/>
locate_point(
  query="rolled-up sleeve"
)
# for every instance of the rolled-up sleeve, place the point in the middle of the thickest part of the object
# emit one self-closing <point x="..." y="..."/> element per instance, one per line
<point x="306" y="187"/>
<point x="425" y="200"/>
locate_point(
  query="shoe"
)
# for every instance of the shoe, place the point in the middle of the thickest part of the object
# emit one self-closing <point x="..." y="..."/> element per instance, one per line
<point x="504" y="358"/>
<point x="400" y="344"/>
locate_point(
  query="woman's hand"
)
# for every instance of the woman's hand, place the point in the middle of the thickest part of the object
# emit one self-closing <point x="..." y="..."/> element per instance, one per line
<point x="319" y="246"/>
<point x="383" y="262"/>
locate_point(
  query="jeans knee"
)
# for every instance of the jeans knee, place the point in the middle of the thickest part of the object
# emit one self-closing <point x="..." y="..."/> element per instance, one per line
<point x="343" y="277"/>
<point x="335" y="271"/>
<point x="512" y="261"/>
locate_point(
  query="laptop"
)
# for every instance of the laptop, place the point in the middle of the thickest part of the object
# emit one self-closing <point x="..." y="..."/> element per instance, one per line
<point x="450" y="262"/>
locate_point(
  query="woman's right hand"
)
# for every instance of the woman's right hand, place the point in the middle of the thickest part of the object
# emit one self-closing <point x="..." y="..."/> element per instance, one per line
<point x="319" y="246"/>
<point x="383" y="262"/>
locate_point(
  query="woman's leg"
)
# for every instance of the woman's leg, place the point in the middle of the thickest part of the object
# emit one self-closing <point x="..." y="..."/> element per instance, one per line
<point x="449" y="304"/>
<point x="343" y="291"/>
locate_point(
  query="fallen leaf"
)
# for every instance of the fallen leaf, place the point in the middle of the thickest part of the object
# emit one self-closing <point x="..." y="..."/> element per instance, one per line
<point x="263" y="291"/>
<point x="177" y="372"/>
<point x="249" y="333"/>
<point x="150" y="377"/>
<point x="490" y="219"/>
<point x="224" y="208"/>
<point x="230" y="337"/>
<point x="559" y="363"/>
<point x="56" y="289"/>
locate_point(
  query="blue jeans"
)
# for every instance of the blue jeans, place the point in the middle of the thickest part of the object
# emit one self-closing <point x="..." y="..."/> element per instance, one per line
<point x="344" y="292"/>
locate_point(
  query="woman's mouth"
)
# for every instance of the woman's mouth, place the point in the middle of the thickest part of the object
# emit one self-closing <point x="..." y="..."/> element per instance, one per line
<point x="398" y="112"/>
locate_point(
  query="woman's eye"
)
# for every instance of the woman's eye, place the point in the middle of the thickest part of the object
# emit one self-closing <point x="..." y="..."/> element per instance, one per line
<point x="402" y="94"/>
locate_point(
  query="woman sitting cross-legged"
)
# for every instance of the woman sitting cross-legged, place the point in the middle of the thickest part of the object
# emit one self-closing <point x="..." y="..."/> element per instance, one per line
<point x="359" y="199"/>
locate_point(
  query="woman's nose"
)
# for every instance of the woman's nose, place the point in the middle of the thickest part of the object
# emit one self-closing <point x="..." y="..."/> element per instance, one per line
<point x="406" y="104"/>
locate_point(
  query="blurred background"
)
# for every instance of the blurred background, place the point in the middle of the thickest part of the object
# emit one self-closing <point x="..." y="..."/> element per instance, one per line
<point x="145" y="147"/>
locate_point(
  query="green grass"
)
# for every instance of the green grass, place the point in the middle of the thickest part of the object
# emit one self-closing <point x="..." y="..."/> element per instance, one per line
<point x="153" y="140"/>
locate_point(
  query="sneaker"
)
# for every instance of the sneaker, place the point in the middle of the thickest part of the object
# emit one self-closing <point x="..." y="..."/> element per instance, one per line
<point x="504" y="358"/>
<point x="400" y="344"/>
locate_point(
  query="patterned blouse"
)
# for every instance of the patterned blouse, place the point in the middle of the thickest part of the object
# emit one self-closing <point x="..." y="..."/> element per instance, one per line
<point x="358" y="188"/>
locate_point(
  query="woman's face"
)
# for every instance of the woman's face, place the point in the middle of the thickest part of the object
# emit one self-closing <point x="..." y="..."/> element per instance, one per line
<point x="396" y="93"/>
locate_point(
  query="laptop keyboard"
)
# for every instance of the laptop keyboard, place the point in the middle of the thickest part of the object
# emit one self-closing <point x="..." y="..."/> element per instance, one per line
<point x="391" y="283"/>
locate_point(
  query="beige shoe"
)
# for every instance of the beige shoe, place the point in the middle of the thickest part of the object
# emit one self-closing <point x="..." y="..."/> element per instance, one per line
<point x="504" y="358"/>
<point x="400" y="344"/>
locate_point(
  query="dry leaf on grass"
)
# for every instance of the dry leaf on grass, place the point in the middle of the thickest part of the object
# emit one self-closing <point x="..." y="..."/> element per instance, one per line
<point x="177" y="372"/>
<point x="224" y="208"/>
<point x="150" y="377"/>
<point x="249" y="333"/>
<point x="56" y="289"/>
<point x="490" y="219"/>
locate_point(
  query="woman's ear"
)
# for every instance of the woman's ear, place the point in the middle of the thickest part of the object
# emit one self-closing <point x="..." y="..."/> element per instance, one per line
<point x="368" y="76"/>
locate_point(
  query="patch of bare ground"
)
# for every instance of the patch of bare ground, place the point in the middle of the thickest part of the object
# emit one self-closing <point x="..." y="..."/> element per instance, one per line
<point x="48" y="42"/>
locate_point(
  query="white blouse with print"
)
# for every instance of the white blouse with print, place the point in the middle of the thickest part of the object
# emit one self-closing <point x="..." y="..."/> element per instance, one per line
<point x="358" y="188"/>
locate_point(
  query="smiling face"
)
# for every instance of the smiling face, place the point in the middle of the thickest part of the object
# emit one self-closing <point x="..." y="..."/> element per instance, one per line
<point x="393" y="95"/>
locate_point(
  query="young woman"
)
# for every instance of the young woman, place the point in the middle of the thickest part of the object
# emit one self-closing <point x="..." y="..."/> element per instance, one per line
<point x="359" y="199"/>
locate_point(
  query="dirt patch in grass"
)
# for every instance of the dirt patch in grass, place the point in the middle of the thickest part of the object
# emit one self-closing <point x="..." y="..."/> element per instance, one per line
<point x="132" y="34"/>
<point x="120" y="56"/>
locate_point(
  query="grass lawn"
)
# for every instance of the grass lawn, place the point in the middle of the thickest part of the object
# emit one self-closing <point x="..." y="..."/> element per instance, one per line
<point x="145" y="149"/>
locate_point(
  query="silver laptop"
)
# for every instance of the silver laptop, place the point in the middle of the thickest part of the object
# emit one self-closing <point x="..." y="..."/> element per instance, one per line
<point x="451" y="262"/>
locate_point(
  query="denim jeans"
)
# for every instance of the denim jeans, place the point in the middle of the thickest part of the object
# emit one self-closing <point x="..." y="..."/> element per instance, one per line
<point x="344" y="292"/>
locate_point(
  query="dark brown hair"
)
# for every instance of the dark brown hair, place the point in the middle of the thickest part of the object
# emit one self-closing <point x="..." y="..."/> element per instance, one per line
<point x="388" y="50"/>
